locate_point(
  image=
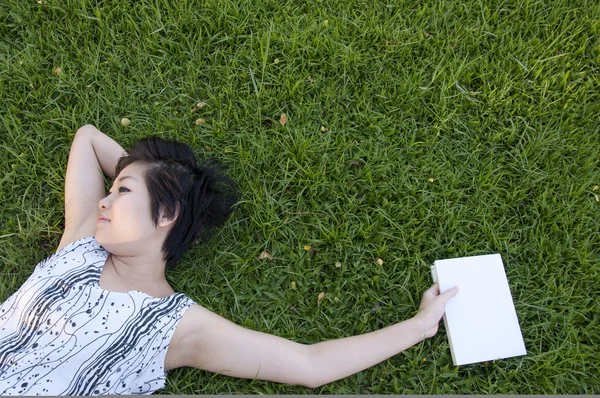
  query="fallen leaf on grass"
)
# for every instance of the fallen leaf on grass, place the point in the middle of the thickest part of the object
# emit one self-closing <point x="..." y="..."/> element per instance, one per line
<point x="294" y="285"/>
<point x="338" y="264"/>
<point x="264" y="255"/>
<point x="200" y="121"/>
<point x="431" y="180"/>
<point x="307" y="247"/>
<point x="321" y="295"/>
<point x="283" y="119"/>
<point x="208" y="148"/>
<point x="125" y="122"/>
<point x="57" y="71"/>
<point x="595" y="188"/>
<point x="324" y="129"/>
<point x="379" y="261"/>
<point x="375" y="308"/>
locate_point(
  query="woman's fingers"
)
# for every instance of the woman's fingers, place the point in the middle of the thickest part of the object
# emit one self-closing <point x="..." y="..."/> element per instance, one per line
<point x="448" y="294"/>
<point x="433" y="290"/>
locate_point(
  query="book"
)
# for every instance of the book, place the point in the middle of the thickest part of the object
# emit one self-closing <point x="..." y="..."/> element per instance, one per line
<point x="481" y="320"/>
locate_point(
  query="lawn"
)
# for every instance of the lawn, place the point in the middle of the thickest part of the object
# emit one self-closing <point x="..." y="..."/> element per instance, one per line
<point x="416" y="131"/>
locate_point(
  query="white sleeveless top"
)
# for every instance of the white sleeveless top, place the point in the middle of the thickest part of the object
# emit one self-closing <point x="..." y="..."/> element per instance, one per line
<point x="62" y="334"/>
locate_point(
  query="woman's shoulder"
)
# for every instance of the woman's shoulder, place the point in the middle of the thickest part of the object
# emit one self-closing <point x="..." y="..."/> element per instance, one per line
<point x="72" y="251"/>
<point x="81" y="244"/>
<point x="69" y="238"/>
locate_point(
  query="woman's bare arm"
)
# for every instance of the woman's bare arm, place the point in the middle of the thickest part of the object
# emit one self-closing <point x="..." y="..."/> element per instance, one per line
<point x="107" y="150"/>
<point x="335" y="359"/>
<point x="211" y="342"/>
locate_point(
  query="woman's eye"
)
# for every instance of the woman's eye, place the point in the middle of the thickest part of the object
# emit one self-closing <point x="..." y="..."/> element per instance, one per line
<point x="126" y="190"/>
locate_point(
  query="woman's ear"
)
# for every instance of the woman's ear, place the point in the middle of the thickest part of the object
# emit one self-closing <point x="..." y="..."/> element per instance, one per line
<point x="163" y="220"/>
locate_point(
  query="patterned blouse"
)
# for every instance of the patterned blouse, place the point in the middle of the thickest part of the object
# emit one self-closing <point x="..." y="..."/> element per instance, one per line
<point x="62" y="334"/>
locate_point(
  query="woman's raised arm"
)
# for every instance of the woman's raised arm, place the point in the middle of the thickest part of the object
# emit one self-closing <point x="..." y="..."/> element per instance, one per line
<point x="107" y="150"/>
<point x="92" y="154"/>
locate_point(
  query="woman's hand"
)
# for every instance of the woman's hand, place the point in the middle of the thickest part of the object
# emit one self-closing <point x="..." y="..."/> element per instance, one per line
<point x="433" y="305"/>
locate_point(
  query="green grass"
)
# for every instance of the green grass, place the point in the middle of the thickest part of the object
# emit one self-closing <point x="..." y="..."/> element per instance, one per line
<point x="497" y="101"/>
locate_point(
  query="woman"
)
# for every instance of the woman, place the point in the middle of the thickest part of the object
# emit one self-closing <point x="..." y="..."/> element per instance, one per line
<point x="99" y="317"/>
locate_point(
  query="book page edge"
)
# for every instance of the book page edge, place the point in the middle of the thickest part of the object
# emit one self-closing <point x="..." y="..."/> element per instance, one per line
<point x="435" y="280"/>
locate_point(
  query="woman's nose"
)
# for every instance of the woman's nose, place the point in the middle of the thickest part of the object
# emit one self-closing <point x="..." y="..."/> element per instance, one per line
<point x="104" y="203"/>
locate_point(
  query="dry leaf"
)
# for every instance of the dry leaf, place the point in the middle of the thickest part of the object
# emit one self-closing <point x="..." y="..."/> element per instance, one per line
<point x="57" y="71"/>
<point x="379" y="261"/>
<point x="375" y="308"/>
<point x="283" y="119"/>
<point x="324" y="129"/>
<point x="276" y="60"/>
<point x="201" y="104"/>
<point x="307" y="247"/>
<point x="264" y="255"/>
<point x="125" y="122"/>
<point x="595" y="188"/>
<point x="321" y="295"/>
<point x="431" y="180"/>
<point x="228" y="150"/>
<point x="597" y="198"/>
<point x="90" y="85"/>
<point x="326" y="22"/>
<point x="294" y="285"/>
<point x="200" y="121"/>
<point x="338" y="264"/>
<point x="208" y="148"/>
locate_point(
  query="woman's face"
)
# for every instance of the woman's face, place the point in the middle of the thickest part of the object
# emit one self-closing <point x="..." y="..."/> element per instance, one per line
<point x="128" y="208"/>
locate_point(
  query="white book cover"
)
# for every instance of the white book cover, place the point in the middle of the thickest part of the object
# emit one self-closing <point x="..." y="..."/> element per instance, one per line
<point x="481" y="321"/>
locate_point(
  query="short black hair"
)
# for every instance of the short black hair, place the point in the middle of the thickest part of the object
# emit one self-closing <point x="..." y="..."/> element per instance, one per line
<point x="202" y="192"/>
